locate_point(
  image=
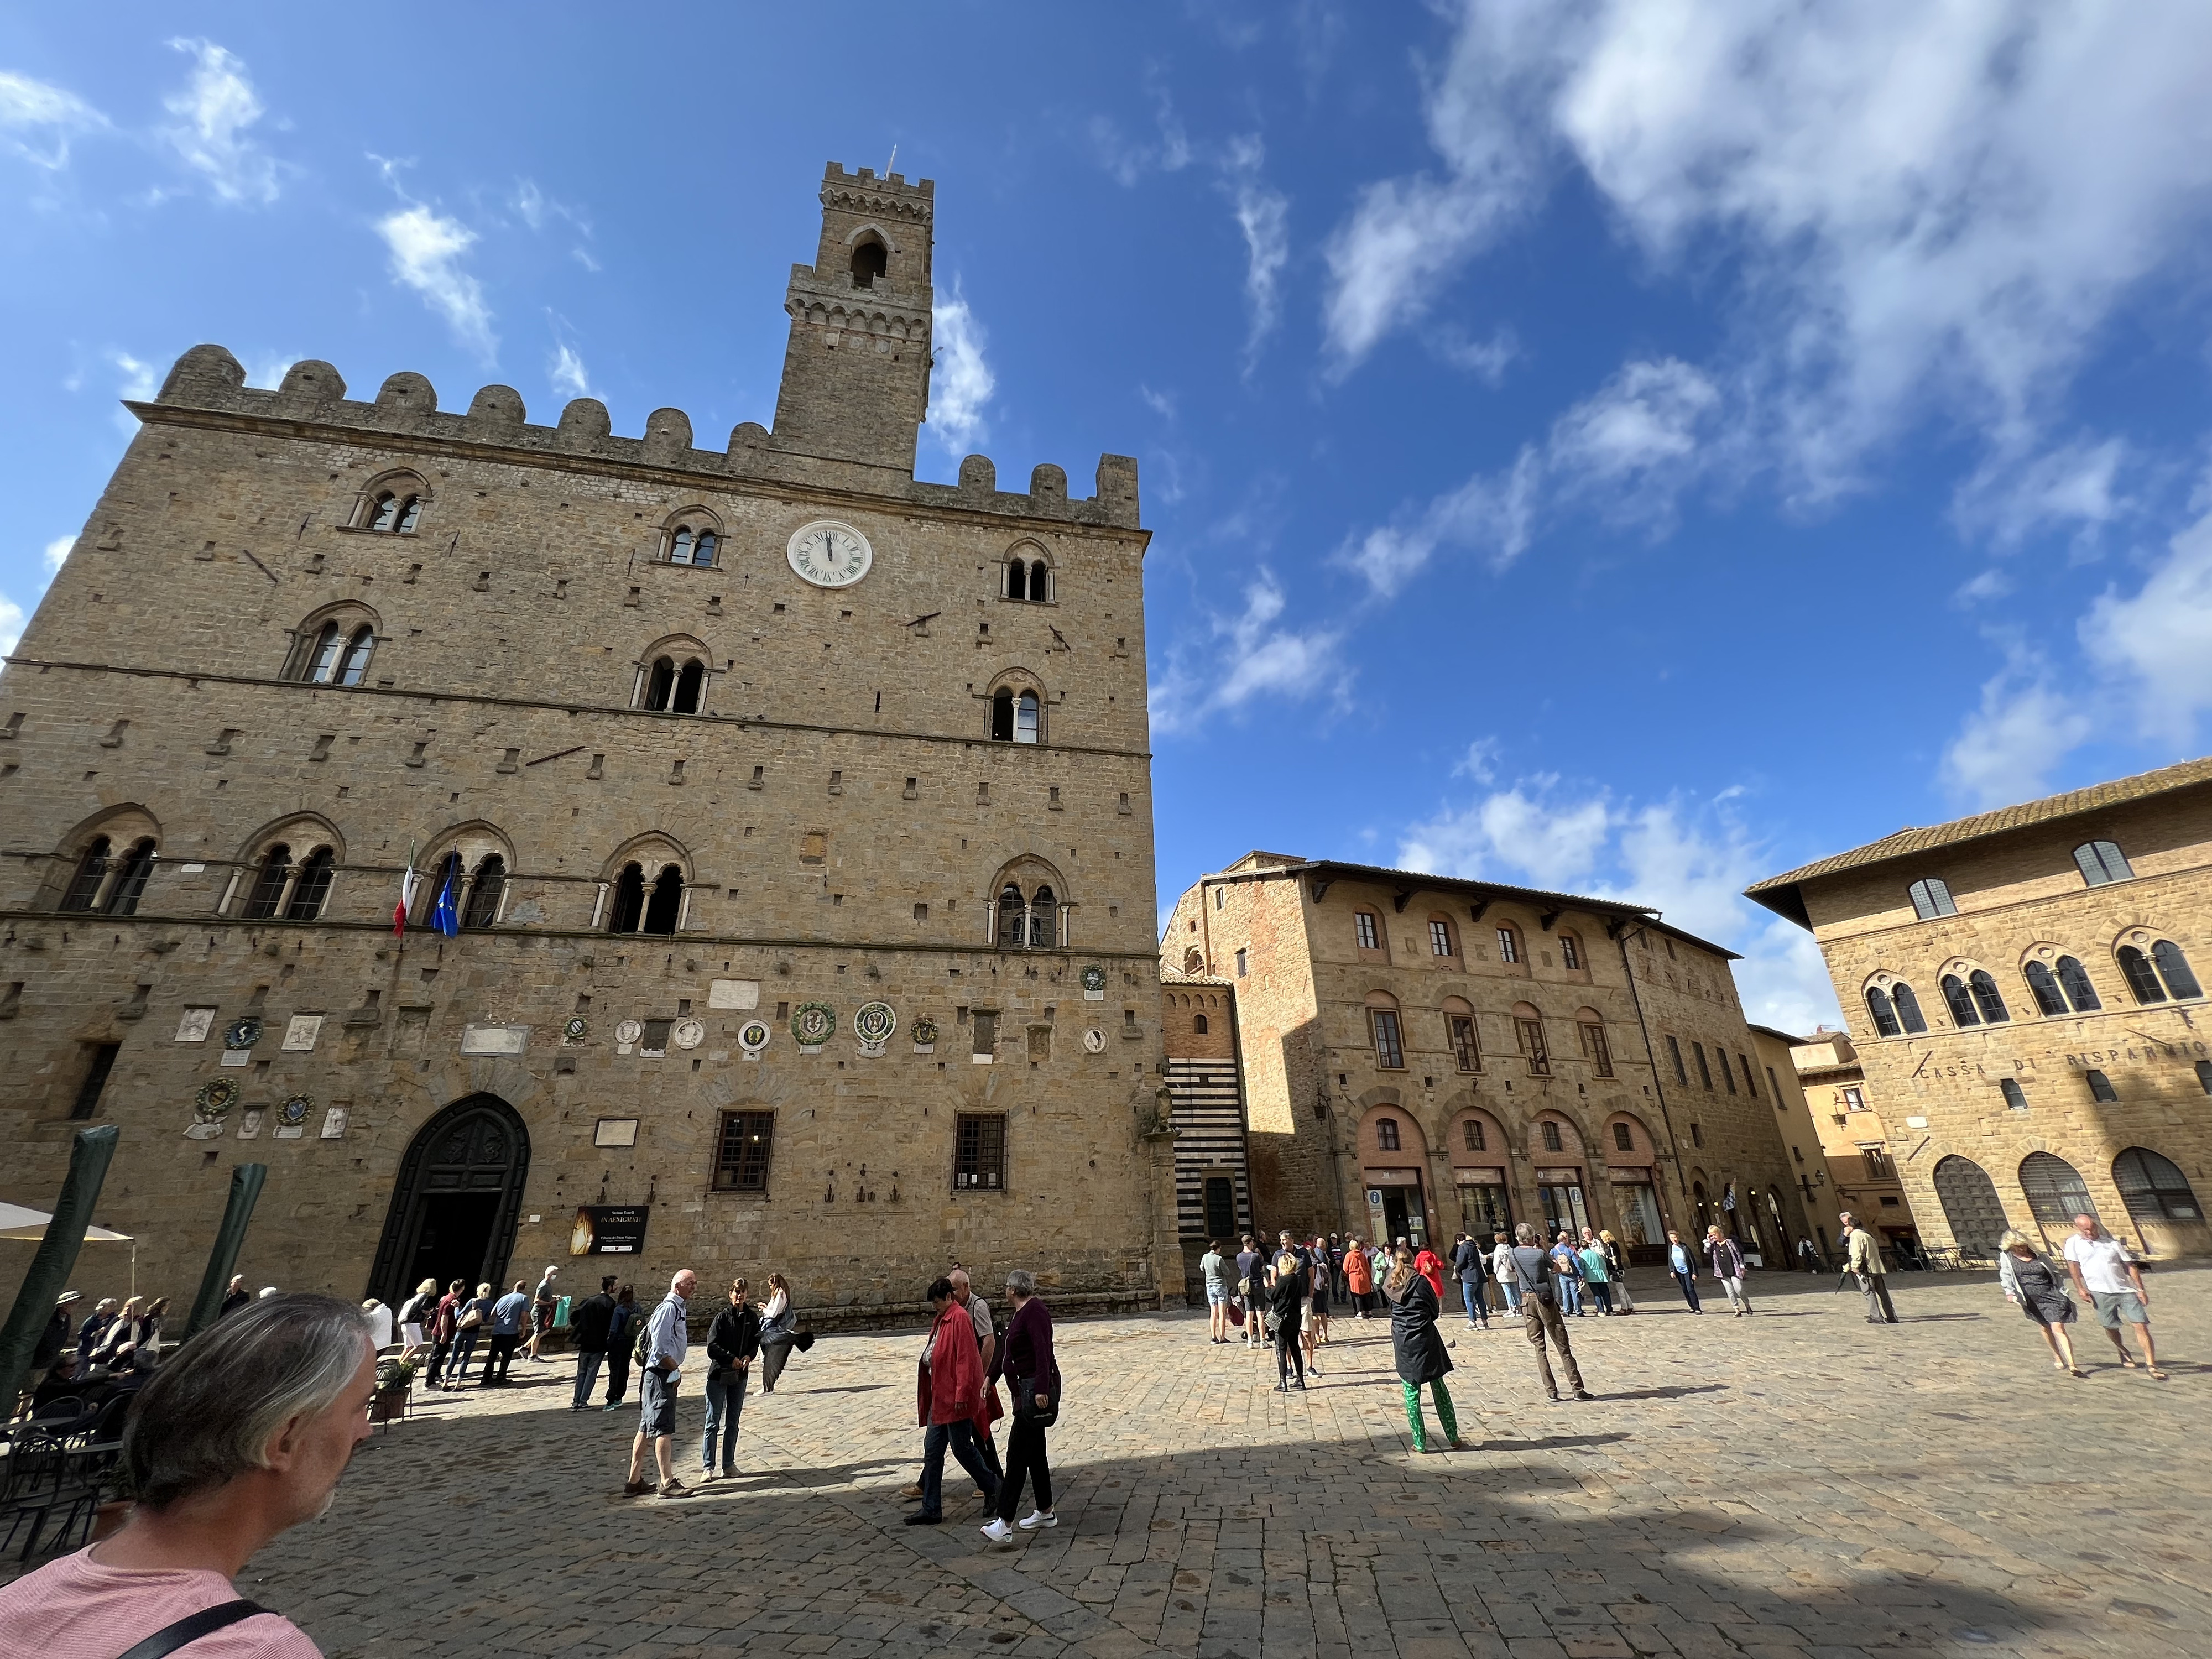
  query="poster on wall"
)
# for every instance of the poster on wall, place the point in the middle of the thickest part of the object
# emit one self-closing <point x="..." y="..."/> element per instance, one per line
<point x="608" y="1229"/>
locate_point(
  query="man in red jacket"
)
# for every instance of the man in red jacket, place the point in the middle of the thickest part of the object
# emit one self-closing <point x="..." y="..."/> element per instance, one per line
<point x="950" y="1393"/>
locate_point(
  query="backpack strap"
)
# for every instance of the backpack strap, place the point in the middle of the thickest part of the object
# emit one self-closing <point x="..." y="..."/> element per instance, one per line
<point x="193" y="1626"/>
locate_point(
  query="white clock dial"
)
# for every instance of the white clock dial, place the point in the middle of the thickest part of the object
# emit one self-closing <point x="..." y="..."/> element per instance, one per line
<point x="830" y="555"/>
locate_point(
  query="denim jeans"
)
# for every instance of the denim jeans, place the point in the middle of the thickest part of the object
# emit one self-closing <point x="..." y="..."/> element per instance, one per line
<point x="1512" y="1295"/>
<point x="726" y="1403"/>
<point x="587" y="1374"/>
<point x="961" y="1437"/>
<point x="1478" y="1305"/>
<point x="1689" y="1284"/>
<point x="1570" y="1294"/>
<point x="457" y="1367"/>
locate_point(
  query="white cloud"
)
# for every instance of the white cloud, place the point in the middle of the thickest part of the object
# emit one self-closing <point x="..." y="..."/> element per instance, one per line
<point x="1247" y="657"/>
<point x="2012" y="496"/>
<point x="426" y="255"/>
<point x="1486" y="360"/>
<point x="56" y="551"/>
<point x="52" y="116"/>
<point x="11" y="624"/>
<point x="2008" y="747"/>
<point x="1264" y="216"/>
<point x="2157" y="642"/>
<point x="139" y="382"/>
<point x="1920" y="209"/>
<point x="1692" y="865"/>
<point x="1128" y="159"/>
<point x="566" y="371"/>
<point x="268" y="369"/>
<point x="960" y="379"/>
<point x="217" y="106"/>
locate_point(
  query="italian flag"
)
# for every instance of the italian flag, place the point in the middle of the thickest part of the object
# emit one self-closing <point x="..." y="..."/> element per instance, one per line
<point x="406" y="895"/>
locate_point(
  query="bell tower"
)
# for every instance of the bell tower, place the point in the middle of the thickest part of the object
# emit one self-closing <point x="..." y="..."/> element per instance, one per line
<point x="856" y="371"/>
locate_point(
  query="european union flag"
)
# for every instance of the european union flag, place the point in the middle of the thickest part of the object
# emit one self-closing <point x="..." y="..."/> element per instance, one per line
<point x="445" y="916"/>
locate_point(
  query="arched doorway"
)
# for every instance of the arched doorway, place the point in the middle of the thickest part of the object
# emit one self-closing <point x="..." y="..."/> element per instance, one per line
<point x="2168" y="1219"/>
<point x="1971" y="1206"/>
<point x="453" y="1209"/>
<point x="2056" y="1193"/>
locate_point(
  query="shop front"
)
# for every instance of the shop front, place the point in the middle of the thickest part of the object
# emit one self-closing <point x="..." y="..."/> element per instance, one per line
<point x="1478" y="1156"/>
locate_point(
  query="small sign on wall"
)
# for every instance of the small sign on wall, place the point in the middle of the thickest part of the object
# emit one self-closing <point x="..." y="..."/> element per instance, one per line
<point x="608" y="1229"/>
<point x="300" y="1032"/>
<point x="195" y="1025"/>
<point x="733" y="993"/>
<point x="494" y="1039"/>
<point x="615" y="1132"/>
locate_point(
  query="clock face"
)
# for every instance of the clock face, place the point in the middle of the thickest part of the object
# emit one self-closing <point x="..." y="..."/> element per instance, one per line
<point x="830" y="555"/>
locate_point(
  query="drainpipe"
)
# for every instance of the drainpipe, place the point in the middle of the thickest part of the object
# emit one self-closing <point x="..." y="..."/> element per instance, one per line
<point x="1658" y="1088"/>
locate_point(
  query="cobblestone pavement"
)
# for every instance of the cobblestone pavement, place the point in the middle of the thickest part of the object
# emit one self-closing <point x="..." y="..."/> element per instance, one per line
<point x="1797" y="1484"/>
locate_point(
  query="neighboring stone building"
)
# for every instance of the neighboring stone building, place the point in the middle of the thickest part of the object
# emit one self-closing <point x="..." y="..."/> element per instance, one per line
<point x="1860" y="1145"/>
<point x="1420" y="1055"/>
<point x="1213" y="1188"/>
<point x="771" y="791"/>
<point x="1772" y="1052"/>
<point x="2024" y="990"/>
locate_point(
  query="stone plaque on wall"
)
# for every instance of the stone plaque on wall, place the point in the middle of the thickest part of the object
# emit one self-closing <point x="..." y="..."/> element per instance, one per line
<point x="733" y="993"/>
<point x="494" y="1039"/>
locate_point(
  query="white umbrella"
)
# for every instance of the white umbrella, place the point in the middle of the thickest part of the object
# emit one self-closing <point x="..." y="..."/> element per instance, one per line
<point x="17" y="1222"/>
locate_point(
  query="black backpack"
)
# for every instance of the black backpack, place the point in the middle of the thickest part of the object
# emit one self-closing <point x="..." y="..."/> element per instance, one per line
<point x="641" y="1353"/>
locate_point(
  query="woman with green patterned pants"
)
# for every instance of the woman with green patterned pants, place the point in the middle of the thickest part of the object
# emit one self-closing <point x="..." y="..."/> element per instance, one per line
<point x="1419" y="1347"/>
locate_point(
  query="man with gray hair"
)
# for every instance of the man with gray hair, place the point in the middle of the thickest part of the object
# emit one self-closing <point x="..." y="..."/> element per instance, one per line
<point x="1539" y="1312"/>
<point x="665" y="1344"/>
<point x="240" y="1437"/>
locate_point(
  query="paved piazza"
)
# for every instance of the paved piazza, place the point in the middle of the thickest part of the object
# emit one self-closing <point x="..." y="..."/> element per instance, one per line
<point x="1796" y="1483"/>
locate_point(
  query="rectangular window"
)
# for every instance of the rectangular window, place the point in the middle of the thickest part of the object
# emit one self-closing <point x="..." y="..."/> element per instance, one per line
<point x="1553" y="1143"/>
<point x="1040" y="1043"/>
<point x="1386" y="1134"/>
<point x="654" y="1042"/>
<point x="98" y="1065"/>
<point x="1697" y="1134"/>
<point x="741" y="1162"/>
<point x="1774" y="1086"/>
<point x="2015" y="1097"/>
<point x="979" y="1155"/>
<point x="1471" y="1132"/>
<point x="1509" y="946"/>
<point x="1854" y="1101"/>
<point x="1363" y="922"/>
<point x="1674" y="1054"/>
<point x="1439" y="937"/>
<point x="1878" y="1166"/>
<point x="1750" y="1083"/>
<point x="1704" y="1071"/>
<point x="1465" y="1050"/>
<point x="1720" y="1058"/>
<point x="1389" y="1050"/>
<point x="1571" y="951"/>
<point x="2100" y="1088"/>
<point x="1243" y="967"/>
<point x="1623" y="1141"/>
<point x="1594" y="1049"/>
<point x="985" y="1028"/>
<point x="1532" y="1044"/>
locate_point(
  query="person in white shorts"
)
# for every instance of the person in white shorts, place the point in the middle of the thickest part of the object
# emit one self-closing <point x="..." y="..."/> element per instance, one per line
<point x="2107" y="1276"/>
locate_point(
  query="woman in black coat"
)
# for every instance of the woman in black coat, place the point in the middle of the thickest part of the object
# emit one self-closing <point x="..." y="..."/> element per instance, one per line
<point x="1420" y="1348"/>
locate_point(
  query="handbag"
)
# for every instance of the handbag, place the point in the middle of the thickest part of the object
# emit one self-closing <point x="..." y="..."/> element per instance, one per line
<point x="472" y="1318"/>
<point x="1025" y="1405"/>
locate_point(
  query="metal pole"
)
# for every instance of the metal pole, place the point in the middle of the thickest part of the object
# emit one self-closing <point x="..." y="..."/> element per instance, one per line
<point x="56" y="1259"/>
<point x="245" y="1181"/>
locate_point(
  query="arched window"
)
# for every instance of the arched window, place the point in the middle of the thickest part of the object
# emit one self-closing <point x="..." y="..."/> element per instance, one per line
<point x="674" y="683"/>
<point x="2135" y="968"/>
<point x="396" y="511"/>
<point x="2173" y="968"/>
<point x="630" y="900"/>
<point x="2153" y="1187"/>
<point x="410" y="514"/>
<point x="486" y="887"/>
<point x="270" y="881"/>
<point x="1002" y="716"/>
<point x="1013" y="926"/>
<point x="1883" y="1016"/>
<point x="1960" y="1000"/>
<point x="869" y="261"/>
<point x="1198" y="1025"/>
<point x="688" y="682"/>
<point x="1028" y="576"/>
<point x="679" y="550"/>
<point x="1986" y="996"/>
<point x="310" y="886"/>
<point x="2102" y="862"/>
<point x="660" y="684"/>
<point x="2049" y="999"/>
<point x="335" y="653"/>
<point x="1908" y="1009"/>
<point x="2074" y="979"/>
<point x="1044" y="919"/>
<point x="2055" y="1191"/>
<point x="129" y="881"/>
<point x="1970" y="1205"/>
<point x="663" y="907"/>
<point x="1193" y="962"/>
<point x="1018" y="579"/>
<point x="1931" y="899"/>
<point x="702" y="550"/>
<point x="84" y="888"/>
<point x="1040" y="581"/>
<point x="1025" y="718"/>
<point x="692" y="545"/>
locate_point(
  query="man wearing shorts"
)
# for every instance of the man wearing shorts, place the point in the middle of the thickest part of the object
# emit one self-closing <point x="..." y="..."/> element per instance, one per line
<point x="1215" y="1269"/>
<point x="667" y="1341"/>
<point x="2108" y="1278"/>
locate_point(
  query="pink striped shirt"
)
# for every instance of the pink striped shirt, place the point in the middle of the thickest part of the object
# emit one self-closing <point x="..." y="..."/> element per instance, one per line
<point x="76" y="1608"/>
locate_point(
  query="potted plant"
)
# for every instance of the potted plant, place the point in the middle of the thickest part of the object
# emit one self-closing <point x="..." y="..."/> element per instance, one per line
<point x="394" y="1378"/>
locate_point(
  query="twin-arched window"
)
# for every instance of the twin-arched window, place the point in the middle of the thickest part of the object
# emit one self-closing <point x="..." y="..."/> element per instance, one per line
<point x="284" y="891"/>
<point x="395" y="512"/>
<point x="640" y="908"/>
<point x="1029" y="579"/>
<point x="106" y="884"/>
<point x="1015" y="715"/>
<point x="2062" y="987"/>
<point x="2159" y="975"/>
<point x="1029" y="924"/>
<point x="336" y="653"/>
<point x="672" y="688"/>
<point x="692" y="545"/>
<point x="1974" y="1000"/>
<point x="1895" y="1011"/>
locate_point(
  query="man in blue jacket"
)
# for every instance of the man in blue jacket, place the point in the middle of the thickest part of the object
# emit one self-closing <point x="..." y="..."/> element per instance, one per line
<point x="1467" y="1262"/>
<point x="504" y="1328"/>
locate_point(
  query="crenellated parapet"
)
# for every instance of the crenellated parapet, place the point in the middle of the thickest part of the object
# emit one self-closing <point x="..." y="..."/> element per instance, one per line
<point x="208" y="377"/>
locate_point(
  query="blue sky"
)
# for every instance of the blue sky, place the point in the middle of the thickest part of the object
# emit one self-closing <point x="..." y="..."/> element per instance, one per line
<point x="1627" y="447"/>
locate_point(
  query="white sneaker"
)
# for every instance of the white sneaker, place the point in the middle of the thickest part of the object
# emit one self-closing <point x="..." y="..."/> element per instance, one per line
<point x="999" y="1532"/>
<point x="1036" y="1518"/>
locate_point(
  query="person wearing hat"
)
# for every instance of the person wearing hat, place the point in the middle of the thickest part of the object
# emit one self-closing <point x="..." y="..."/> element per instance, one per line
<point x="53" y="1341"/>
